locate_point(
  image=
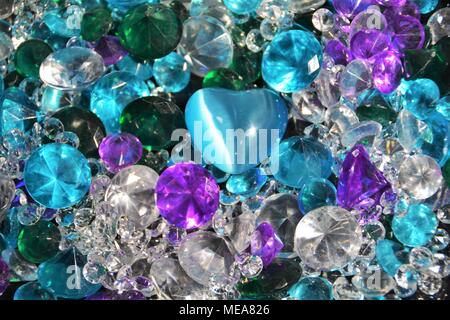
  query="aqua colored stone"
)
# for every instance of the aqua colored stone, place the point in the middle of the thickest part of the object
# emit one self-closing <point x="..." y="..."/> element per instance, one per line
<point x="64" y="22"/>
<point x="312" y="288"/>
<point x="417" y="227"/>
<point x="316" y="193"/>
<point x="124" y="5"/>
<point x="172" y="72"/>
<point x="112" y="93"/>
<point x="442" y="106"/>
<point x="248" y="183"/>
<point x="242" y="6"/>
<point x="33" y="291"/>
<point x="57" y="175"/>
<point x="426" y="6"/>
<point x="292" y="61"/>
<point x="436" y="138"/>
<point x="390" y="256"/>
<point x="420" y="96"/>
<point x="297" y="153"/>
<point x="63" y="275"/>
<point x="212" y="114"/>
<point x="142" y="70"/>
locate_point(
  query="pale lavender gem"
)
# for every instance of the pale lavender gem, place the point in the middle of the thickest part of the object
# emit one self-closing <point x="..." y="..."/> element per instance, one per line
<point x="110" y="49"/>
<point x="409" y="9"/>
<point x="367" y="43"/>
<point x="265" y="243"/>
<point x="387" y="72"/>
<point x="119" y="151"/>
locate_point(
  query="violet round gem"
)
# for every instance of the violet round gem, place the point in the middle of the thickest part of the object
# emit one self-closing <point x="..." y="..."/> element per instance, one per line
<point x="265" y="243"/>
<point x="367" y="43"/>
<point x="110" y="49"/>
<point x="119" y="151"/>
<point x="387" y="72"/>
<point x="350" y="8"/>
<point x="338" y="52"/>
<point x="187" y="195"/>
<point x="409" y="33"/>
<point x="409" y="9"/>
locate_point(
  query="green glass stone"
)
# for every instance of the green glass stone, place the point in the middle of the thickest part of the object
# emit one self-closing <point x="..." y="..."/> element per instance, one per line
<point x="150" y="31"/>
<point x="29" y="56"/>
<point x="152" y="120"/>
<point x="39" y="242"/>
<point x="381" y="114"/>
<point x="273" y="282"/>
<point x="223" y="78"/>
<point x="446" y="173"/>
<point x="96" y="23"/>
<point x="247" y="64"/>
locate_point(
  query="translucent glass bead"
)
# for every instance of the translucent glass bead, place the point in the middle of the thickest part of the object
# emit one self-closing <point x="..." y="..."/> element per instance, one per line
<point x="247" y="183"/>
<point x="254" y="40"/>
<point x="421" y="258"/>
<point x="439" y="24"/>
<point x="323" y="20"/>
<point x="64" y="22"/>
<point x="430" y="282"/>
<point x="317" y="193"/>
<point x="426" y="6"/>
<point x="205" y="44"/>
<point x="312" y="288"/>
<point x="242" y="6"/>
<point x="142" y="70"/>
<point x="172" y="72"/>
<point x="345" y="290"/>
<point x="365" y="44"/>
<point x="406" y="278"/>
<point x="390" y="255"/>
<point x="420" y="96"/>
<point x="355" y="78"/>
<point x="372" y="18"/>
<point x="292" y="61"/>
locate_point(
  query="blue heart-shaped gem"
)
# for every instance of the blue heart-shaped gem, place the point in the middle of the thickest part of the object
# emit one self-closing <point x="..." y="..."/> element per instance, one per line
<point x="236" y="130"/>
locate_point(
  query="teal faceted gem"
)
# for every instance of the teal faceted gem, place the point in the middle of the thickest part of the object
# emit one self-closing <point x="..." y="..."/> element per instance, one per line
<point x="436" y="138"/>
<point x="63" y="275"/>
<point x="390" y="255"/>
<point x="242" y="6"/>
<point x="248" y="183"/>
<point x="124" y="5"/>
<point x="316" y="193"/>
<point x="426" y="6"/>
<point x="172" y="72"/>
<point x="57" y="175"/>
<point x="292" y="61"/>
<point x="142" y="70"/>
<point x="417" y="227"/>
<point x="443" y="107"/>
<point x="64" y="22"/>
<point x="420" y="96"/>
<point x="33" y="291"/>
<point x="297" y="153"/>
<point x="232" y="134"/>
<point x="112" y="93"/>
<point x="312" y="288"/>
<point x="17" y="111"/>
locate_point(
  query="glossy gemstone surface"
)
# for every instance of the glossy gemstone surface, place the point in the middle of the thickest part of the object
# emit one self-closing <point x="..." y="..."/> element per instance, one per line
<point x="119" y="151"/>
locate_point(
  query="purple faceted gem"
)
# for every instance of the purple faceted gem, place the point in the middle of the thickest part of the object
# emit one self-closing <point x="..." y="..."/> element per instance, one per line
<point x="387" y="72"/>
<point x="114" y="295"/>
<point x="367" y="43"/>
<point x="409" y="9"/>
<point x="265" y="243"/>
<point x="409" y="33"/>
<point x="338" y="52"/>
<point x="187" y="195"/>
<point x="361" y="184"/>
<point x="119" y="151"/>
<point x="110" y="49"/>
<point x="391" y="3"/>
<point x="350" y="8"/>
<point x="4" y="276"/>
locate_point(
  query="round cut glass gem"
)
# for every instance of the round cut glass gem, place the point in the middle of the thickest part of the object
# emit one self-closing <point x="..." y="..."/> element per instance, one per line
<point x="150" y="31"/>
<point x="387" y="72"/>
<point x="57" y="175"/>
<point x="119" y="151"/>
<point x="350" y="8"/>
<point x="110" y="49"/>
<point x="172" y="72"/>
<point x="409" y="32"/>
<point x="72" y="68"/>
<point x="242" y="6"/>
<point x="328" y="238"/>
<point x="96" y="22"/>
<point x="312" y="288"/>
<point x="124" y="5"/>
<point x="265" y="243"/>
<point x="292" y="61"/>
<point x="187" y="195"/>
<point x="317" y="193"/>
<point x="367" y="43"/>
<point x="29" y="56"/>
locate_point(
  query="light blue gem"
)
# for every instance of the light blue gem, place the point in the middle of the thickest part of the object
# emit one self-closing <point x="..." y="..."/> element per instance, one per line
<point x="242" y="6"/>
<point x="390" y="255"/>
<point x="312" y="288"/>
<point x="112" y="93"/>
<point x="436" y="138"/>
<point x="64" y="22"/>
<point x="57" y="175"/>
<point x="172" y="72"/>
<point x="33" y="291"/>
<point x="300" y="159"/>
<point x="51" y="99"/>
<point x="124" y="5"/>
<point x="292" y="61"/>
<point x="443" y="107"/>
<point x="248" y="183"/>
<point x="426" y="6"/>
<point x="417" y="227"/>
<point x="420" y="97"/>
<point x="142" y="70"/>
<point x="63" y="275"/>
<point x="316" y="193"/>
<point x="199" y="6"/>
<point x="17" y="111"/>
<point x="212" y="114"/>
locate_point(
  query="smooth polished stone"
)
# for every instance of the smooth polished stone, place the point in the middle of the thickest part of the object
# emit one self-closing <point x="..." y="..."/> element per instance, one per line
<point x="216" y="118"/>
<point x="112" y="93"/>
<point x="292" y="61"/>
<point x="312" y="288"/>
<point x="417" y="227"/>
<point x="29" y="56"/>
<point x="296" y="153"/>
<point x="33" y="291"/>
<point x="57" y="175"/>
<point x="172" y="72"/>
<point x="63" y="276"/>
<point x="72" y="68"/>
<point x="86" y="125"/>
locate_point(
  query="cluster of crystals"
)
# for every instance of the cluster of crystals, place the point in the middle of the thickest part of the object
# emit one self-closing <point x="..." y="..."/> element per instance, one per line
<point x="100" y="199"/>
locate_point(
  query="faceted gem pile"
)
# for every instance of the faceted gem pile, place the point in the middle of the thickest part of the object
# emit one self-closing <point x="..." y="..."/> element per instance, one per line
<point x="224" y="149"/>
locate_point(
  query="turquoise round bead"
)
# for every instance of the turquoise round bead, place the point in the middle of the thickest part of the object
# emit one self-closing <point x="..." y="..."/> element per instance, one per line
<point x="57" y="175"/>
<point x="420" y="97"/>
<point x="417" y="227"/>
<point x="312" y="288"/>
<point x="317" y="193"/>
<point x="33" y="291"/>
<point x="242" y="6"/>
<point x="248" y="183"/>
<point x="112" y="93"/>
<point x="292" y="61"/>
<point x="172" y="72"/>
<point x="300" y="159"/>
